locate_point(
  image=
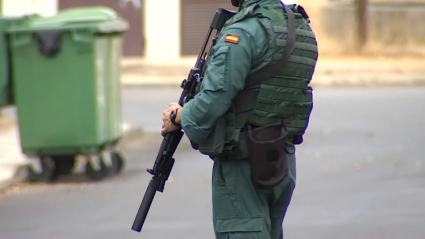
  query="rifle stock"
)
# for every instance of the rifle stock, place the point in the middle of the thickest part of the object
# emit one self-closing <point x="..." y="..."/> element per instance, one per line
<point x="164" y="161"/>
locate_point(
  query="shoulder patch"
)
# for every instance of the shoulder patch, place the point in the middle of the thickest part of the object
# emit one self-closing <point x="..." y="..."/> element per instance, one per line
<point x="232" y="38"/>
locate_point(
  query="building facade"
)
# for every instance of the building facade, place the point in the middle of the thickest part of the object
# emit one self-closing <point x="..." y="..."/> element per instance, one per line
<point x="163" y="32"/>
<point x="22" y="7"/>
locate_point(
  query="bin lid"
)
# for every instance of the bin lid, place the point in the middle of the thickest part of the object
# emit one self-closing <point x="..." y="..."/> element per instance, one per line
<point x="96" y="18"/>
<point x="6" y="22"/>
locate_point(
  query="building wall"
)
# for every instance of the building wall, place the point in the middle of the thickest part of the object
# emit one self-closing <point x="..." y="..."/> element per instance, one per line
<point x="22" y="7"/>
<point x="393" y="29"/>
<point x="196" y="17"/>
<point x="162" y="32"/>
<point x="130" y="10"/>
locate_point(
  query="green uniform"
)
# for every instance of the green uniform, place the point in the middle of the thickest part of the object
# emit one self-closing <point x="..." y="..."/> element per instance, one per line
<point x="239" y="209"/>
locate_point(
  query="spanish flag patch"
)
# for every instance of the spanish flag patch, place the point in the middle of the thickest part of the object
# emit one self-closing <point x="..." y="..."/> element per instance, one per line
<point x="232" y="38"/>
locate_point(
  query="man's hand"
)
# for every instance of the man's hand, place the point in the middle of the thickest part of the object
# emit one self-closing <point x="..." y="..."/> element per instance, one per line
<point x="167" y="126"/>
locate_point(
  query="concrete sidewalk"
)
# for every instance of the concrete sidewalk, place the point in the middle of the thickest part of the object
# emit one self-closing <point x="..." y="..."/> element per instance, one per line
<point x="330" y="72"/>
<point x="12" y="161"/>
<point x="10" y="153"/>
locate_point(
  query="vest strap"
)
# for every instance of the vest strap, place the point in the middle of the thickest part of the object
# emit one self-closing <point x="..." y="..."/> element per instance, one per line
<point x="298" y="84"/>
<point x="266" y="121"/>
<point x="271" y="71"/>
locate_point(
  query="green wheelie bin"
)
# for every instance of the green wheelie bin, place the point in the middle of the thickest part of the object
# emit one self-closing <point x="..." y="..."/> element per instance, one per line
<point x="5" y="77"/>
<point x="66" y="83"/>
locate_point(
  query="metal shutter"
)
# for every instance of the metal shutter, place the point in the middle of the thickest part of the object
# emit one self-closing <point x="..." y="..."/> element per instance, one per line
<point x="134" y="44"/>
<point x="196" y="17"/>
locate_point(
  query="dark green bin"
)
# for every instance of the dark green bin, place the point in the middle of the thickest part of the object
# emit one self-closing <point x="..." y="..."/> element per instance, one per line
<point x="5" y="71"/>
<point x="66" y="81"/>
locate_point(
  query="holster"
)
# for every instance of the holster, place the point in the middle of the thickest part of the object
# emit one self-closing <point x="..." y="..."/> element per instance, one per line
<point x="265" y="149"/>
<point x="267" y="157"/>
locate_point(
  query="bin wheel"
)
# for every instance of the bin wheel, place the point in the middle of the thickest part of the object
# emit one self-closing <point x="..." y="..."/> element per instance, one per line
<point x="96" y="167"/>
<point x="118" y="162"/>
<point x="43" y="172"/>
<point x="64" y="164"/>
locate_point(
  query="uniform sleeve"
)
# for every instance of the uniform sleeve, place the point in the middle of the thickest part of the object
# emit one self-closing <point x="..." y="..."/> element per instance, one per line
<point x="224" y="78"/>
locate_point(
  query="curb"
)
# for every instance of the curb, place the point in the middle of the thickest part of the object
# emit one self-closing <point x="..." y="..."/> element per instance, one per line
<point x="330" y="71"/>
<point x="130" y="132"/>
<point x="174" y="80"/>
<point x="20" y="176"/>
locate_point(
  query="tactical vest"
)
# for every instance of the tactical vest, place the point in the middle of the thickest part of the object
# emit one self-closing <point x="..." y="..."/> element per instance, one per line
<point x="285" y="96"/>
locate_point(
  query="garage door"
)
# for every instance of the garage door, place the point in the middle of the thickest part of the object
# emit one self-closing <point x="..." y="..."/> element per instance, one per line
<point x="196" y="17"/>
<point x="129" y="10"/>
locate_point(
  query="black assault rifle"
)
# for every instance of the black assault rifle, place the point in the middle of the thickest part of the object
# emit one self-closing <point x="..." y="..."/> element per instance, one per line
<point x="164" y="160"/>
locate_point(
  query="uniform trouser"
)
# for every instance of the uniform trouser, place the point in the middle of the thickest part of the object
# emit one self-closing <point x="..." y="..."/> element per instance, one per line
<point x="242" y="211"/>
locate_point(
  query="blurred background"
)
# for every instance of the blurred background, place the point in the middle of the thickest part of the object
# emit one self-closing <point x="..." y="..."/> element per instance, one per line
<point x="101" y="94"/>
<point x="369" y="27"/>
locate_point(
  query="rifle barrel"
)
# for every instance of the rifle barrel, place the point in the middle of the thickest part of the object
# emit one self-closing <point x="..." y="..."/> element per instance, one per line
<point x="145" y="205"/>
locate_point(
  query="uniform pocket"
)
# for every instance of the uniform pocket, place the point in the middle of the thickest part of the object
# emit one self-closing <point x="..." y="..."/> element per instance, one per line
<point x="239" y="227"/>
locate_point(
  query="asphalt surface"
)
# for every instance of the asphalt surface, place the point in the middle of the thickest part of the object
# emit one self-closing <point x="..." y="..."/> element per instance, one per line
<point x="361" y="174"/>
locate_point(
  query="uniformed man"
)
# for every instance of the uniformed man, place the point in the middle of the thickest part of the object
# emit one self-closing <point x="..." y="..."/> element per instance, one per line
<point x="228" y="106"/>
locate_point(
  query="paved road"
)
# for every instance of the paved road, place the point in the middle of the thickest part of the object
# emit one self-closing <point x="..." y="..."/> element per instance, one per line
<point x="361" y="174"/>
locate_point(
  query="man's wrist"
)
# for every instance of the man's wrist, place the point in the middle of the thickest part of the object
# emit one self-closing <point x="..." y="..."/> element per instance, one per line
<point x="179" y="116"/>
<point x="173" y="117"/>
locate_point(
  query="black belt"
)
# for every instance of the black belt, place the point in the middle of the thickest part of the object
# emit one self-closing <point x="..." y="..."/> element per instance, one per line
<point x="236" y="151"/>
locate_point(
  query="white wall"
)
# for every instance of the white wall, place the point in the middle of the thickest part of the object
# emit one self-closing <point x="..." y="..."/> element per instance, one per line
<point x="162" y="32"/>
<point x="22" y="7"/>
